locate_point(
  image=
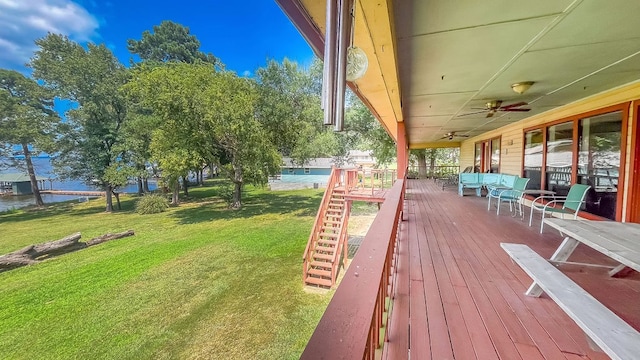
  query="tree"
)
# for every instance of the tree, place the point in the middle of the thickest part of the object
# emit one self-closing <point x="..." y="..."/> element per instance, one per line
<point x="89" y="141"/>
<point x="170" y="42"/>
<point x="27" y="118"/>
<point x="288" y="106"/>
<point x="209" y="117"/>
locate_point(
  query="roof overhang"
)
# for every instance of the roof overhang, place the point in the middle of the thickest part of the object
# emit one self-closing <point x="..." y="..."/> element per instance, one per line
<point x="433" y="62"/>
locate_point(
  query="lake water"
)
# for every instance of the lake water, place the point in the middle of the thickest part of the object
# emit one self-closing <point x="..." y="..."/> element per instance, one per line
<point x="43" y="168"/>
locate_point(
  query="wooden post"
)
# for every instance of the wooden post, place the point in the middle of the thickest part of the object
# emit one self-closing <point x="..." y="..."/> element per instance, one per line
<point x="402" y="152"/>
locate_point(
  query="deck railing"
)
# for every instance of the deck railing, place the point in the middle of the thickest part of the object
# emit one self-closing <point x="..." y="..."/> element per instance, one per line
<point x="351" y="327"/>
<point x="437" y="171"/>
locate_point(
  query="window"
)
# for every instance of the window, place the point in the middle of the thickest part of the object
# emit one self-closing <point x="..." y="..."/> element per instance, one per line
<point x="307" y="171"/>
<point x="291" y="171"/>
<point x="477" y="163"/>
<point x="559" y="158"/>
<point x="599" y="161"/>
<point x="533" y="158"/>
<point x="584" y="149"/>
<point x="495" y="156"/>
<point x="487" y="156"/>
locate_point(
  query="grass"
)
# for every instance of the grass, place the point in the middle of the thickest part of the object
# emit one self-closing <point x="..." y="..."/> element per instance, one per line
<point x="197" y="281"/>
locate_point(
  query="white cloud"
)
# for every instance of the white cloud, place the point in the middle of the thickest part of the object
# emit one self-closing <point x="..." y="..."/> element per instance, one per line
<point x="246" y="73"/>
<point x="22" y="22"/>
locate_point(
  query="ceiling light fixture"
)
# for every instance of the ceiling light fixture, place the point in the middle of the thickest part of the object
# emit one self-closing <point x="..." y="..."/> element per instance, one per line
<point x="522" y="87"/>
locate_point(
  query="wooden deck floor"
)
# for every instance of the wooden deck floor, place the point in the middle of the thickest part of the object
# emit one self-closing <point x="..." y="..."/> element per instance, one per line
<point x="459" y="296"/>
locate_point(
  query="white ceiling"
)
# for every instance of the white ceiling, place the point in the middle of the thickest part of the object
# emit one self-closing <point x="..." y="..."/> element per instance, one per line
<point x="457" y="55"/>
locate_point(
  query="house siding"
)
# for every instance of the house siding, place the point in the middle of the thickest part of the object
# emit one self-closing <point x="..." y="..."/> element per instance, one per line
<point x="511" y="154"/>
<point x="300" y="171"/>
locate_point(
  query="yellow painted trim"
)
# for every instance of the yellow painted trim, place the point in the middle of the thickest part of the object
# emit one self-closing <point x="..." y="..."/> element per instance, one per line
<point x="379" y="88"/>
<point x="439" y="144"/>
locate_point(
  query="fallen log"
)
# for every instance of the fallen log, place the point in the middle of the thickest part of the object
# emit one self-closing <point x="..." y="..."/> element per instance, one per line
<point x="66" y="244"/>
<point x="13" y="260"/>
<point x="33" y="254"/>
<point x="107" y="237"/>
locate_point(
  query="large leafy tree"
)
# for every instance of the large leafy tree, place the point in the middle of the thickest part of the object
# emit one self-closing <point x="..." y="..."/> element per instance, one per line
<point x="27" y="118"/>
<point x="90" y="78"/>
<point x="169" y="41"/>
<point x="207" y="116"/>
<point x="288" y="106"/>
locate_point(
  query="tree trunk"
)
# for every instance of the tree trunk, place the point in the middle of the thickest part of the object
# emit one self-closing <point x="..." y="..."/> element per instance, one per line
<point x="185" y="186"/>
<point x="422" y="164"/>
<point x="237" y="190"/>
<point x="432" y="160"/>
<point x="212" y="170"/>
<point x="117" y="195"/>
<point x="237" y="196"/>
<point x="108" y="191"/>
<point x="140" y="188"/>
<point x="32" y="175"/>
<point x="145" y="185"/>
<point x="175" y="199"/>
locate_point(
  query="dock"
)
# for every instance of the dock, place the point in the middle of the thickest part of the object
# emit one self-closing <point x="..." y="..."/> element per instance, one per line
<point x="72" y="192"/>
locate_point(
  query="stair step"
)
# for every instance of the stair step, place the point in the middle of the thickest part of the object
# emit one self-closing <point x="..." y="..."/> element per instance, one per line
<point x="318" y="281"/>
<point x="330" y="222"/>
<point x="322" y="256"/>
<point x="321" y="264"/>
<point x="334" y="211"/>
<point x="335" y="229"/>
<point x="327" y="242"/>
<point x="320" y="272"/>
<point x="329" y="235"/>
<point x="326" y="249"/>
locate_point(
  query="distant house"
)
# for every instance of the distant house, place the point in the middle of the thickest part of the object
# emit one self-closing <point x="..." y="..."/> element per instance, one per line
<point x="322" y="166"/>
<point x="17" y="184"/>
<point x="361" y="158"/>
<point x="317" y="166"/>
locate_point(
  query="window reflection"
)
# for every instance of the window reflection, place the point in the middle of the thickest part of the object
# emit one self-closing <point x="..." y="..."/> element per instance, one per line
<point x="495" y="155"/>
<point x="533" y="149"/>
<point x="599" y="161"/>
<point x="559" y="158"/>
<point x="478" y="158"/>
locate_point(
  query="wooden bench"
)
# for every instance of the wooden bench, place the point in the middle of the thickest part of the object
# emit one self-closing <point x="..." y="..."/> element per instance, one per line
<point x="608" y="331"/>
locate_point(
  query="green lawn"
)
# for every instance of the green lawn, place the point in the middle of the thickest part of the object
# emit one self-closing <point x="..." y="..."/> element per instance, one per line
<point x="198" y="281"/>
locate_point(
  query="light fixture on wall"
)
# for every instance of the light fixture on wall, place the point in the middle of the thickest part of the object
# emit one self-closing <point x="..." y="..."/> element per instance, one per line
<point x="521" y="87"/>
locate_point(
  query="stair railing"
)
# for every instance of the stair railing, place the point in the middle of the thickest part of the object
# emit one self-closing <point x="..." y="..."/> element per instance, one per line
<point x="317" y="226"/>
<point x="341" y="245"/>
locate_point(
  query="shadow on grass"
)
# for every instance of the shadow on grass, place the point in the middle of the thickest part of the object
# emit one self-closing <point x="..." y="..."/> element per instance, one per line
<point x="252" y="205"/>
<point x="209" y="205"/>
<point x="65" y="208"/>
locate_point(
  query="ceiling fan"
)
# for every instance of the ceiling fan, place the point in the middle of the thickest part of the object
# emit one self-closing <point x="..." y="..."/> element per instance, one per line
<point x="450" y="135"/>
<point x="494" y="106"/>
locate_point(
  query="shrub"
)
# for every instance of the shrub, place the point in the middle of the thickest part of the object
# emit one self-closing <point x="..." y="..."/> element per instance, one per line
<point x="151" y="204"/>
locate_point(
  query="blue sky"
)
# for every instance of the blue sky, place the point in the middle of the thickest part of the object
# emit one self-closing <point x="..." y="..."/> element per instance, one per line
<point x="242" y="34"/>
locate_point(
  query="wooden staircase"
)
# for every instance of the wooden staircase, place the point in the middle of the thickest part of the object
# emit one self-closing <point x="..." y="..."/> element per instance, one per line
<point x="327" y="246"/>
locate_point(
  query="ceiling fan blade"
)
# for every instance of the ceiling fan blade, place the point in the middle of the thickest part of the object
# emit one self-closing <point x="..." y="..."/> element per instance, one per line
<point x="472" y="113"/>
<point x="516" y="110"/>
<point x="513" y="105"/>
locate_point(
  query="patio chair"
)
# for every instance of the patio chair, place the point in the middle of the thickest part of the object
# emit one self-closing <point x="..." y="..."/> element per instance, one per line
<point x="513" y="195"/>
<point x="570" y="204"/>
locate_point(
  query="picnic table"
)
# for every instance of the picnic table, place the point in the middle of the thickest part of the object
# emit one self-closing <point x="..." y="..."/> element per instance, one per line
<point x="619" y="241"/>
